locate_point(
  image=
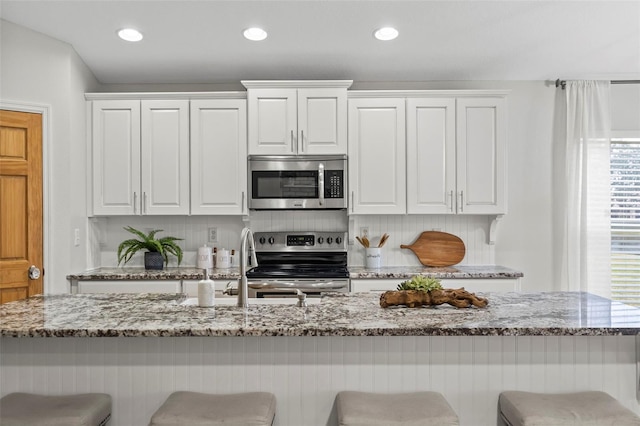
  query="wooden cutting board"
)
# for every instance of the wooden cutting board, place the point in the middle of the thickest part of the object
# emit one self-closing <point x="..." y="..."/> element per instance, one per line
<point x="434" y="248"/>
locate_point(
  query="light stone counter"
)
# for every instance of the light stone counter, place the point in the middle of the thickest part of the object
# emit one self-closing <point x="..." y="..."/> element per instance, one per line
<point x="449" y="272"/>
<point x="353" y="314"/>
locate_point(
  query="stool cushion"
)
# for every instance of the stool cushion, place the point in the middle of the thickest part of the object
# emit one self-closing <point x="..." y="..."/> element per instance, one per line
<point x="582" y="408"/>
<point x="22" y="409"/>
<point x="407" y="409"/>
<point x="197" y="409"/>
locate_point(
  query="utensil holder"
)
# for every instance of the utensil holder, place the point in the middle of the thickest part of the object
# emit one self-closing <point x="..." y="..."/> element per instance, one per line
<point x="373" y="257"/>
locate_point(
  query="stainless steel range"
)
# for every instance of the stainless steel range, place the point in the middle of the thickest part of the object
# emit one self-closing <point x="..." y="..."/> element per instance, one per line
<point x="312" y="262"/>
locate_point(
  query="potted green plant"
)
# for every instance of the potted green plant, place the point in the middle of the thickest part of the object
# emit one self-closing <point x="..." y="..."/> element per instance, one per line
<point x="157" y="249"/>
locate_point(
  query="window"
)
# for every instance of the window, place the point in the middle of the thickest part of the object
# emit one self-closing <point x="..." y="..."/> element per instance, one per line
<point x="625" y="221"/>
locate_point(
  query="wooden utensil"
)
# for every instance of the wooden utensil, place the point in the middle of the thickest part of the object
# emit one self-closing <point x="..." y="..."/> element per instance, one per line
<point x="383" y="239"/>
<point x="435" y="248"/>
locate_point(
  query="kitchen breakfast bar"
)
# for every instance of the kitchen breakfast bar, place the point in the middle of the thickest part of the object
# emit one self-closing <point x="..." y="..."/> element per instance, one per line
<point x="141" y="347"/>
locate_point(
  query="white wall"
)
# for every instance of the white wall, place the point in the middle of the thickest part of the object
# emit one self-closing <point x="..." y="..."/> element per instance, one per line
<point x="35" y="69"/>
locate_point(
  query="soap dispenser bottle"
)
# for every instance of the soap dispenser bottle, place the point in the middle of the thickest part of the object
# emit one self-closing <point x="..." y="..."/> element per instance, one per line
<point x="206" y="291"/>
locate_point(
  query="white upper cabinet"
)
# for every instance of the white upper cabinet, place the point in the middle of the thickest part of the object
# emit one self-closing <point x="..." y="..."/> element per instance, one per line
<point x="431" y="155"/>
<point x="115" y="159"/>
<point x="140" y="157"/>
<point x="455" y="160"/>
<point x="297" y="117"/>
<point x="165" y="157"/>
<point x="481" y="155"/>
<point x="377" y="176"/>
<point x="218" y="156"/>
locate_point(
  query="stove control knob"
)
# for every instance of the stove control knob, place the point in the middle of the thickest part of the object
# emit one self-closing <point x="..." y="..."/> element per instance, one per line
<point x="272" y="240"/>
<point x="262" y="240"/>
<point x="338" y="240"/>
<point x="329" y="240"/>
<point x="320" y="240"/>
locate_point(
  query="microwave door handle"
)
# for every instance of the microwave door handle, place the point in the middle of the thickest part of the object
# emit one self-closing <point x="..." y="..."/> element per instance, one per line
<point x="321" y="184"/>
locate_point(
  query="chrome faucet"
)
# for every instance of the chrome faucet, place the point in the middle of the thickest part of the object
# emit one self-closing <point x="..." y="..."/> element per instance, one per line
<point x="246" y="243"/>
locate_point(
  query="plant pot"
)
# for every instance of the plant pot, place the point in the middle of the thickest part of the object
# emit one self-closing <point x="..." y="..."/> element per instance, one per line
<point x="153" y="260"/>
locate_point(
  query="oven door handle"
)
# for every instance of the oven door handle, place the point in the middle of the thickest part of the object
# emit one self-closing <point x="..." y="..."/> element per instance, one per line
<point x="321" y="184"/>
<point x="312" y="285"/>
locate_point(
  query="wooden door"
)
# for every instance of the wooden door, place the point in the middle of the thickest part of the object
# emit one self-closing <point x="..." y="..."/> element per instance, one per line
<point x="20" y="204"/>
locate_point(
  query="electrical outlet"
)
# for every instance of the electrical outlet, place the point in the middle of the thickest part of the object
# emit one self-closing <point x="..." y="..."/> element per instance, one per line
<point x="213" y="235"/>
<point x="76" y="237"/>
<point x="364" y="231"/>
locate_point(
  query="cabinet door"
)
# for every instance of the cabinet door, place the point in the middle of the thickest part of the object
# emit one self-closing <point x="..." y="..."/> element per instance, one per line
<point x="165" y="157"/>
<point x="377" y="156"/>
<point x="218" y="156"/>
<point x="116" y="157"/>
<point x="481" y="146"/>
<point x="431" y="155"/>
<point x="322" y="121"/>
<point x="273" y="126"/>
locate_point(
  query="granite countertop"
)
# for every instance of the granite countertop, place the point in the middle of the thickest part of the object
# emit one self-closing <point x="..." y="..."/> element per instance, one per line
<point x="139" y="273"/>
<point x="458" y="271"/>
<point x="402" y="272"/>
<point x="351" y="314"/>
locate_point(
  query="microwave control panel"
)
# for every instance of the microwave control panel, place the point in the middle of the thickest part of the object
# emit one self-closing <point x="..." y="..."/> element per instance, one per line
<point x="333" y="187"/>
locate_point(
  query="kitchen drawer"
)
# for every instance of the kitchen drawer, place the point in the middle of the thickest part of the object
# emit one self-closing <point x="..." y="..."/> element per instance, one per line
<point x="129" y="286"/>
<point x="500" y="285"/>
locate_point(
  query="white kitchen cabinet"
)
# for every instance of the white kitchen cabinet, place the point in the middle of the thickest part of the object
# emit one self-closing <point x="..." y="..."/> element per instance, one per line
<point x="500" y="285"/>
<point x="140" y="156"/>
<point x="218" y="156"/>
<point x="132" y="286"/>
<point x="431" y="155"/>
<point x="456" y="155"/>
<point x="377" y="176"/>
<point x="116" y="157"/>
<point x="297" y="118"/>
<point x="481" y="134"/>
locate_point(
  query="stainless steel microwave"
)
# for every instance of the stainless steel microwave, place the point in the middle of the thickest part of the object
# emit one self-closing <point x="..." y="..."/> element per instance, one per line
<point x="288" y="182"/>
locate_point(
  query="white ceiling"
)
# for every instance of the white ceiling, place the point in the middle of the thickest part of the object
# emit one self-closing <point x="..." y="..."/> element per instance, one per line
<point x="201" y="41"/>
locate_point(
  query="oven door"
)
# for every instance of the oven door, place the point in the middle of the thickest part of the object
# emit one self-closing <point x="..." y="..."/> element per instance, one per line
<point x="296" y="183"/>
<point x="284" y="287"/>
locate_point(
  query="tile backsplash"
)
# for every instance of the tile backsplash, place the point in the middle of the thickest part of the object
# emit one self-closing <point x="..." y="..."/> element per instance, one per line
<point x="106" y="233"/>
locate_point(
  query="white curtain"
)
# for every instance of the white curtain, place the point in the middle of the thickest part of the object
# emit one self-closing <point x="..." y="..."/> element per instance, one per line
<point x="583" y="179"/>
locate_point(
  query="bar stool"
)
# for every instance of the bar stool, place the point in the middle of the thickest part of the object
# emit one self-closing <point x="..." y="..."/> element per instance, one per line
<point x="407" y="409"/>
<point x="27" y="409"/>
<point x="194" y="408"/>
<point x="581" y="408"/>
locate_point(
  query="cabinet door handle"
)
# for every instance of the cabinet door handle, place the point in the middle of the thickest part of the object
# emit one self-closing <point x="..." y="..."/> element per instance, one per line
<point x="144" y="203"/>
<point x="450" y="196"/>
<point x="352" y="201"/>
<point x="135" y="202"/>
<point x="461" y="206"/>
<point x="242" y="203"/>
<point x="292" y="146"/>
<point x="301" y="141"/>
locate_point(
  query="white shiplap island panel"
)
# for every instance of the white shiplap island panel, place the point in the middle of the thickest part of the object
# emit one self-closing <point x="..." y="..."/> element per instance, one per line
<point x="305" y="373"/>
<point x="547" y="342"/>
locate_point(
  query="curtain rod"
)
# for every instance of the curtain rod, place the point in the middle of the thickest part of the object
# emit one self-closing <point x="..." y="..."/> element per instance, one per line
<point x="563" y="83"/>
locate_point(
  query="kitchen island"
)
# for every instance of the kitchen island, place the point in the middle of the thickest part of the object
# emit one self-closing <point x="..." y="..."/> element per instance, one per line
<point x="548" y="342"/>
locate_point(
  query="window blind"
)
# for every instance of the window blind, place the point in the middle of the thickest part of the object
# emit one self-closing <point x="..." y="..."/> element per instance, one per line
<point x="625" y="221"/>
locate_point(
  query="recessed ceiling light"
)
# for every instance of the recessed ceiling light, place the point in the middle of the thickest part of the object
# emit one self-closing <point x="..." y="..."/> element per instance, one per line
<point x="386" y="33"/>
<point x="255" y="34"/>
<point x="129" y="34"/>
